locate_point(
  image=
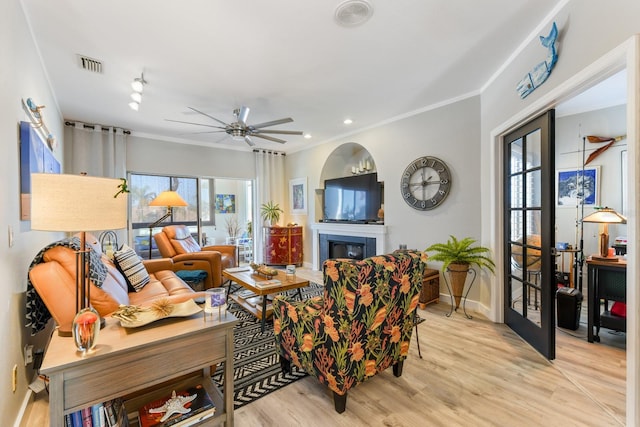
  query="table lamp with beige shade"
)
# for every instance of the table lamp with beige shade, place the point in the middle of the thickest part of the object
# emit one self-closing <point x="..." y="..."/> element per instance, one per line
<point x="605" y="216"/>
<point x="170" y="199"/>
<point x="78" y="203"/>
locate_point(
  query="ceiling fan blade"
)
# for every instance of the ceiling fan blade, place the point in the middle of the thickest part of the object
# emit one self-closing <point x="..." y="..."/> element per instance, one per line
<point x="249" y="141"/>
<point x="270" y="138"/>
<point x="192" y="123"/>
<point x="198" y="133"/>
<point x="211" y="117"/>
<point x="283" y="132"/>
<point x="272" y="123"/>
<point x="243" y="115"/>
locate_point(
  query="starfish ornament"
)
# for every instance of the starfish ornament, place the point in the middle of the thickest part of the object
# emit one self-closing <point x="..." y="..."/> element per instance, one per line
<point x="175" y="405"/>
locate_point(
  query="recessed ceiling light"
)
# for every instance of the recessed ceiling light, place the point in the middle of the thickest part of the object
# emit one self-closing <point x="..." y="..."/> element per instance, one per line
<point x="307" y="136"/>
<point x="347" y="121"/>
<point x="351" y="13"/>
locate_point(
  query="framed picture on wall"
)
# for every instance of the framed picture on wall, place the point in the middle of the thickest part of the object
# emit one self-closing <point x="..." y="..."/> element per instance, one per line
<point x="35" y="157"/>
<point x="298" y="196"/>
<point x="225" y="203"/>
<point x="575" y="187"/>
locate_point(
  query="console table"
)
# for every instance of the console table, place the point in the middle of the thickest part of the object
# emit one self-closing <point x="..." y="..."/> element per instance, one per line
<point x="141" y="365"/>
<point x="607" y="281"/>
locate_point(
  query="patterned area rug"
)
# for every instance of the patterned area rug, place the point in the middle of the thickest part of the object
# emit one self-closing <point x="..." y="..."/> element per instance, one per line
<point x="256" y="368"/>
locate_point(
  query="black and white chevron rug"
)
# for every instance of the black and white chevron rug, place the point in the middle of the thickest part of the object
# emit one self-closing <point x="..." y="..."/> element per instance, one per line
<point x="256" y="367"/>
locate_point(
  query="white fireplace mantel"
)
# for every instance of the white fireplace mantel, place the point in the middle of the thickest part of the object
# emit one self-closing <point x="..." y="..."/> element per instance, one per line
<point x="377" y="231"/>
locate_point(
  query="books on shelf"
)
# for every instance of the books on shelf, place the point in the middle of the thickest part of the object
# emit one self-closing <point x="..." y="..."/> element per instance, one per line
<point x="271" y="283"/>
<point x="107" y="414"/>
<point x="246" y="293"/>
<point x="194" y="401"/>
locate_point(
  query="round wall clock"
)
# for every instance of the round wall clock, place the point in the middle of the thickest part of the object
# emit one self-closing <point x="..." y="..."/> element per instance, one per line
<point x="425" y="183"/>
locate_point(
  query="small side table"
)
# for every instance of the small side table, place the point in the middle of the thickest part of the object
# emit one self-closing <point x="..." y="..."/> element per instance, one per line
<point x="430" y="291"/>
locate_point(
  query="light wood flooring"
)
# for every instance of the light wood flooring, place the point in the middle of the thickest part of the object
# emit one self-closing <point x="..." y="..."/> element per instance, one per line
<point x="473" y="373"/>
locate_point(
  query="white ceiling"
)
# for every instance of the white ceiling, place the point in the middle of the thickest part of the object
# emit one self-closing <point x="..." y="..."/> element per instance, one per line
<point x="281" y="58"/>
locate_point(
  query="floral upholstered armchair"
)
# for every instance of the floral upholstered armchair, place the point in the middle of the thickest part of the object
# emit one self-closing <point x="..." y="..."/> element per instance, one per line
<point x="359" y="327"/>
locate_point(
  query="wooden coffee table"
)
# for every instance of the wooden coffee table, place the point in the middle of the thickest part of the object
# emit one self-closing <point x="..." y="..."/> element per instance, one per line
<point x="258" y="304"/>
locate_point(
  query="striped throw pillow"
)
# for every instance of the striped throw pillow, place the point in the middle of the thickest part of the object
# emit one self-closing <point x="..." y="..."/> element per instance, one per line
<point x="131" y="267"/>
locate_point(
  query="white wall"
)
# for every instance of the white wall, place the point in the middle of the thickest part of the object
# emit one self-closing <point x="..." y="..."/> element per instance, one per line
<point x="580" y="44"/>
<point x="21" y="76"/>
<point x="451" y="133"/>
<point x="608" y="122"/>
<point x="585" y="39"/>
<point x="162" y="157"/>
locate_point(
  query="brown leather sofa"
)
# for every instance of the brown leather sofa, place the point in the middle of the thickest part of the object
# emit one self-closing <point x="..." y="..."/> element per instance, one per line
<point x="176" y="242"/>
<point x="55" y="277"/>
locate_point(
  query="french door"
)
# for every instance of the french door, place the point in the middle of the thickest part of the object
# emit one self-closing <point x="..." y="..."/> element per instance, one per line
<point x="529" y="194"/>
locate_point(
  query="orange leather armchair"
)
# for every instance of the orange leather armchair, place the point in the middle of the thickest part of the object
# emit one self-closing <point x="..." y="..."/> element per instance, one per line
<point x="176" y="242"/>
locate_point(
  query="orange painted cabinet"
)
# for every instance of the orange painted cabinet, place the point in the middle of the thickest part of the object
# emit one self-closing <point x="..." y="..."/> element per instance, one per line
<point x="283" y="245"/>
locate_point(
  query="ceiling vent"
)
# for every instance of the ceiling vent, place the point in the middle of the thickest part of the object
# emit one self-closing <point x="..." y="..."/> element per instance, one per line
<point x="351" y="13"/>
<point x="90" y="64"/>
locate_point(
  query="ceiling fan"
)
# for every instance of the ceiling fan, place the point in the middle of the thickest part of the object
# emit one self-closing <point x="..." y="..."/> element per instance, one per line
<point x="240" y="130"/>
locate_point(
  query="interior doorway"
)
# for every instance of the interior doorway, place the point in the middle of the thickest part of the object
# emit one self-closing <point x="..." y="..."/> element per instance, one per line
<point x="624" y="56"/>
<point x="591" y="165"/>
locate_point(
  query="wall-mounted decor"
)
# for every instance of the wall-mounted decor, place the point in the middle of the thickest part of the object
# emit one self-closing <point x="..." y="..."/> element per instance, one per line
<point x="298" y="196"/>
<point x="540" y="72"/>
<point x="576" y="186"/>
<point x="225" y="203"/>
<point x="35" y="115"/>
<point x="35" y="157"/>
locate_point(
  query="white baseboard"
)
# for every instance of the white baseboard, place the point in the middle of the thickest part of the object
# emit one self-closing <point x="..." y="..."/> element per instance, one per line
<point x="23" y="408"/>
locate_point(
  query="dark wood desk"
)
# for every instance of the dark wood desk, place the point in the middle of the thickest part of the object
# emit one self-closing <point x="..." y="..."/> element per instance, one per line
<point x="607" y="281"/>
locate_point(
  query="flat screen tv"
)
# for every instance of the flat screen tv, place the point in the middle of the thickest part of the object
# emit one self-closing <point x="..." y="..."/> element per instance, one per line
<point x="352" y="198"/>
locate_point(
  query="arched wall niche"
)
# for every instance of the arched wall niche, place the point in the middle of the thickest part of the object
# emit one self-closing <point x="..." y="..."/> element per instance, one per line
<point x="343" y="159"/>
<point x="340" y="163"/>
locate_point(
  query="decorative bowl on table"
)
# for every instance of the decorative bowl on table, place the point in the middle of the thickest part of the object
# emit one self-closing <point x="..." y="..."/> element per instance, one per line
<point x="263" y="270"/>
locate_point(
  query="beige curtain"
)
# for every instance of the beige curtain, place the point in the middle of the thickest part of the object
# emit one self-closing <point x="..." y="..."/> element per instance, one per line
<point x="270" y="186"/>
<point x="96" y="150"/>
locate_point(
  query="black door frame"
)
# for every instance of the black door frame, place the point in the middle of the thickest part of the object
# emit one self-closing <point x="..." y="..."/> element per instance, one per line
<point x="542" y="338"/>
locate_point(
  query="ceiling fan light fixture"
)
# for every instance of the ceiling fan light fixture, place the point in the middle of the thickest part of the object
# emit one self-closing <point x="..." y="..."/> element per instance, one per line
<point x="351" y="13"/>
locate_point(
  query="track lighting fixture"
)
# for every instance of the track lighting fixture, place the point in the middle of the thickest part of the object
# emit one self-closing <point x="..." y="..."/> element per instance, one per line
<point x="138" y="86"/>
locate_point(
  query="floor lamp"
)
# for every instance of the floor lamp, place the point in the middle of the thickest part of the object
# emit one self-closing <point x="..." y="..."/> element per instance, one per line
<point x="170" y="199"/>
<point x="73" y="203"/>
<point x="605" y="216"/>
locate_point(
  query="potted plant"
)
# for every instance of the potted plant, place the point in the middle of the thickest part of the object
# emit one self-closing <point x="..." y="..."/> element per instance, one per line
<point x="457" y="256"/>
<point x="270" y="212"/>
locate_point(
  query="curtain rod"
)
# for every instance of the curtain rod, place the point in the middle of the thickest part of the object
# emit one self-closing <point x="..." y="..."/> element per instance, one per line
<point x="86" y="126"/>
<point x="256" y="150"/>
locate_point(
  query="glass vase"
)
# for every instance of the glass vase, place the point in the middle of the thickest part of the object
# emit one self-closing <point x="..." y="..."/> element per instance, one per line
<point x="86" y="326"/>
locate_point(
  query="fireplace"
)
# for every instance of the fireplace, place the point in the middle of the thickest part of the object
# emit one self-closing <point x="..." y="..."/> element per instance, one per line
<point x="354" y="247"/>
<point x="349" y="238"/>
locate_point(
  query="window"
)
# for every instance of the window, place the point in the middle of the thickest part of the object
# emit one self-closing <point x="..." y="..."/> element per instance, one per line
<point x="145" y="188"/>
<point x="200" y="215"/>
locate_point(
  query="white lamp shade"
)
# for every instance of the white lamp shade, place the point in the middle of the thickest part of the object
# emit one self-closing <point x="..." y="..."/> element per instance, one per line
<point x="605" y="216"/>
<point x="76" y="203"/>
